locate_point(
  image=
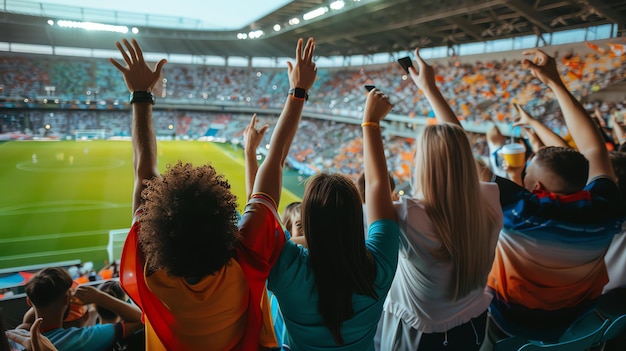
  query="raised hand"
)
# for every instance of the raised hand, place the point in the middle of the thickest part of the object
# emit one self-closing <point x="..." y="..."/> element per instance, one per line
<point x="424" y="78"/>
<point x="87" y="294"/>
<point x="303" y="74"/>
<point x="423" y="75"/>
<point x="377" y="106"/>
<point x="542" y="67"/>
<point x="524" y="117"/>
<point x="137" y="75"/>
<point x="253" y="137"/>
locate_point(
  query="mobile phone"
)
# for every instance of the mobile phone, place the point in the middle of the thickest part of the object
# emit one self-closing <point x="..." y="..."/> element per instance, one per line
<point x="405" y="62"/>
<point x="369" y="87"/>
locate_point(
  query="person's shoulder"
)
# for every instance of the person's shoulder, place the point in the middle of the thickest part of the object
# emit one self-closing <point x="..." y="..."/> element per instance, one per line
<point x="601" y="181"/>
<point x="489" y="189"/>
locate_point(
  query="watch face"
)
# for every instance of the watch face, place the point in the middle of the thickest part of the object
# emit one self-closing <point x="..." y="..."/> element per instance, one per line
<point x="299" y="93"/>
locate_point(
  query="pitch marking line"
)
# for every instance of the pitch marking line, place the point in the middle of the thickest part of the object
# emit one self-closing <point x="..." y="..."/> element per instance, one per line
<point x="59" y="206"/>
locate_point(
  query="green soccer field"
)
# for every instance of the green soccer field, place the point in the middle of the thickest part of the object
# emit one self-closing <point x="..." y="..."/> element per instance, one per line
<point x="60" y="199"/>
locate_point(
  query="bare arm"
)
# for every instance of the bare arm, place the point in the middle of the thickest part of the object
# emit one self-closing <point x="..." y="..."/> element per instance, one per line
<point x="130" y="314"/>
<point x="302" y="75"/>
<point x="533" y="139"/>
<point x="424" y="78"/>
<point x="252" y="138"/>
<point x="581" y="126"/>
<point x="139" y="77"/>
<point x="545" y="134"/>
<point x="378" y="202"/>
<point x="618" y="130"/>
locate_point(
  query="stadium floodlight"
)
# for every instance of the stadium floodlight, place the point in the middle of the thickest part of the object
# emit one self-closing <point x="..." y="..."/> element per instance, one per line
<point x="315" y="13"/>
<point x="337" y="5"/>
<point x="294" y="21"/>
<point x="255" y="34"/>
<point x="135" y="30"/>
<point x="51" y="22"/>
<point x="93" y="26"/>
<point x="277" y="27"/>
<point x="242" y="35"/>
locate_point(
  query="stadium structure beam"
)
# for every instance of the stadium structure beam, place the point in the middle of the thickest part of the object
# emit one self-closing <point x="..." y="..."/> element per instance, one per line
<point x="467" y="27"/>
<point x="530" y="14"/>
<point x="439" y="15"/>
<point x="603" y="9"/>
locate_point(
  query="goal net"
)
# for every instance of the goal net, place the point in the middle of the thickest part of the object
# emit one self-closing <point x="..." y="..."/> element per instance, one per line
<point x="90" y="134"/>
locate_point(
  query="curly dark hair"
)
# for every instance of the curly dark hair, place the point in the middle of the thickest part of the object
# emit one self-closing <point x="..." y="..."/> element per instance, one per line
<point x="189" y="221"/>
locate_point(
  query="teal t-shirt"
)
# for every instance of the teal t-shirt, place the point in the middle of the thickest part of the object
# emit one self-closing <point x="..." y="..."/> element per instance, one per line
<point x="99" y="337"/>
<point x="292" y="281"/>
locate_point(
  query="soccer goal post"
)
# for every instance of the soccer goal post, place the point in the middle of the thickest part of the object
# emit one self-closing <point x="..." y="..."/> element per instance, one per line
<point x="90" y="134"/>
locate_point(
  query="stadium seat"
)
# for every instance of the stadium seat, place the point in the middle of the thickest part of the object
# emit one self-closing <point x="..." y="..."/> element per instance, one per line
<point x="582" y="343"/>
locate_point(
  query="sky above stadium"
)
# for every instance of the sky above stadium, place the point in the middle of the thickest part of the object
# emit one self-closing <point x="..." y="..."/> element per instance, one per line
<point x="215" y="14"/>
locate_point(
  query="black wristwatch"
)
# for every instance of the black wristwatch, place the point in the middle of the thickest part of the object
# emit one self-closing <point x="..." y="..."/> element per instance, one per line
<point x="299" y="93"/>
<point x="142" y="96"/>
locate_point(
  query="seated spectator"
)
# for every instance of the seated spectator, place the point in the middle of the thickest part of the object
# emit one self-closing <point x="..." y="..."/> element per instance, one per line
<point x="31" y="341"/>
<point x="198" y="277"/>
<point x="113" y="288"/>
<point x="549" y="266"/>
<point x="449" y="230"/>
<point x="49" y="292"/>
<point x="292" y="219"/>
<point x="8" y="341"/>
<point x="331" y="294"/>
<point x="78" y="314"/>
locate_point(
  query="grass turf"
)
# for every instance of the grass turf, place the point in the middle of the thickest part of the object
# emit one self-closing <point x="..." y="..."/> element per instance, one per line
<point x="59" y="199"/>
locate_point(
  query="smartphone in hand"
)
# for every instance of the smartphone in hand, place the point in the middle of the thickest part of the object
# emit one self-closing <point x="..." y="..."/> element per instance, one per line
<point x="405" y="62"/>
<point x="369" y="87"/>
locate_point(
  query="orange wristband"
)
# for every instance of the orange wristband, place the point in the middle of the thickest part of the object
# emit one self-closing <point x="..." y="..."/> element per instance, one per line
<point x="374" y="125"/>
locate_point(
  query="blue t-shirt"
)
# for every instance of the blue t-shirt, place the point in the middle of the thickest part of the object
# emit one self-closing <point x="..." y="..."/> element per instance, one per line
<point x="293" y="282"/>
<point x="549" y="264"/>
<point x="100" y="337"/>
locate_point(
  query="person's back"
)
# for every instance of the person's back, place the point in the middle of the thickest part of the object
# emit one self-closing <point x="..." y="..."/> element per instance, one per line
<point x="423" y="279"/>
<point x="211" y="312"/>
<point x="293" y="281"/>
<point x="331" y="294"/>
<point x="449" y="229"/>
<point x="196" y="270"/>
<point x="549" y="265"/>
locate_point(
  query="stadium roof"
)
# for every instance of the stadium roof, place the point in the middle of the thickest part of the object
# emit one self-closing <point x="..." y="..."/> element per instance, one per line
<point x="361" y="27"/>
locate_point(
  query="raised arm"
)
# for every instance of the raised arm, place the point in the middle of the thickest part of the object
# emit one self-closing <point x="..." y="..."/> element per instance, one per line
<point x="618" y="130"/>
<point x="130" y="314"/>
<point x="377" y="190"/>
<point x="252" y="138"/>
<point x="301" y="76"/>
<point x="140" y="80"/>
<point x="534" y="140"/>
<point x="424" y="78"/>
<point x="582" y="128"/>
<point x="545" y="134"/>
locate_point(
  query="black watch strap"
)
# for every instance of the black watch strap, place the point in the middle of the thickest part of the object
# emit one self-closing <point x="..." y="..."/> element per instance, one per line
<point x="299" y="93"/>
<point x="142" y="96"/>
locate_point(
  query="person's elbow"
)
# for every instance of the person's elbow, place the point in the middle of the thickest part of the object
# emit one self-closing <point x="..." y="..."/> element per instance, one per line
<point x="131" y="328"/>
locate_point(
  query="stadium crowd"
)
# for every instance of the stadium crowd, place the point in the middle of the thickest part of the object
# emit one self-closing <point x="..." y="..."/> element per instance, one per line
<point x="487" y="248"/>
<point x="478" y="92"/>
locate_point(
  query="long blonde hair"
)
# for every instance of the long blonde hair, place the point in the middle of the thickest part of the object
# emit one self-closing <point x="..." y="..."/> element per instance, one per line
<point x="446" y="179"/>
